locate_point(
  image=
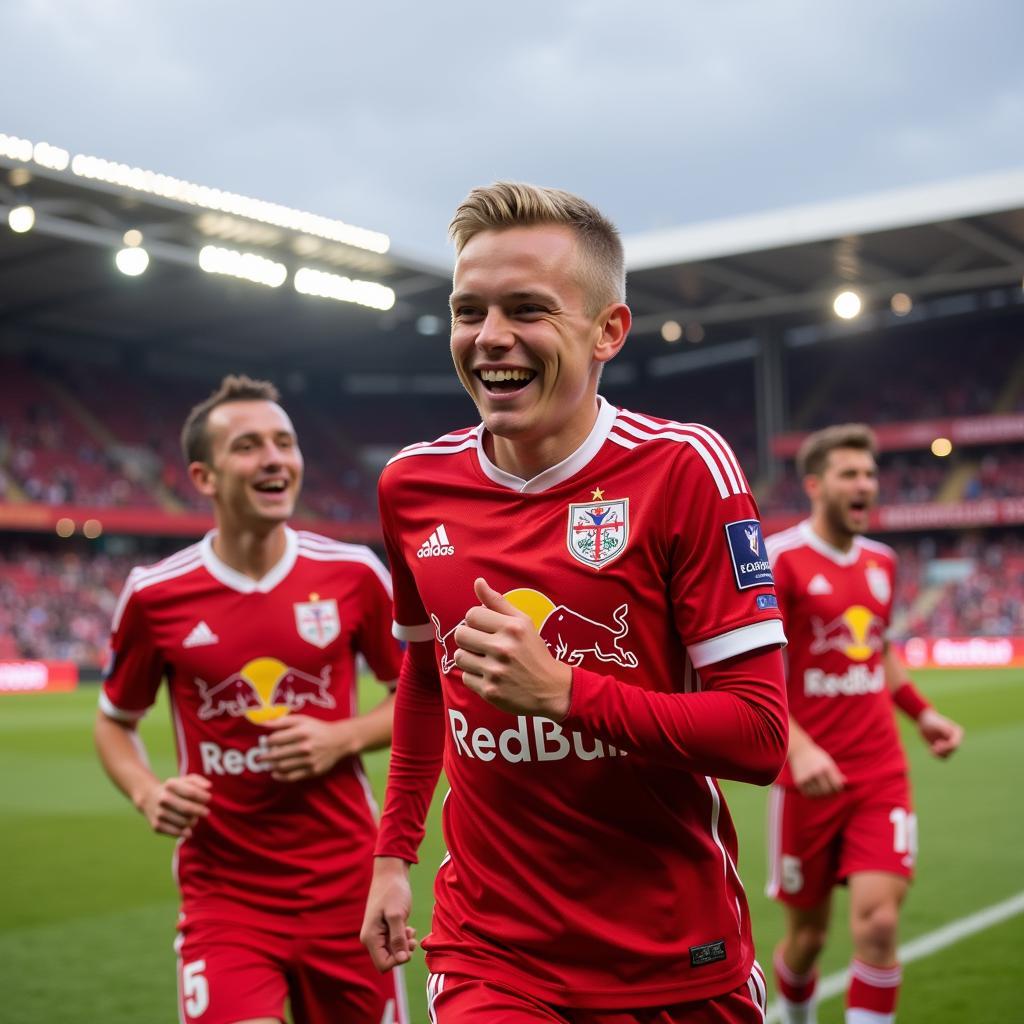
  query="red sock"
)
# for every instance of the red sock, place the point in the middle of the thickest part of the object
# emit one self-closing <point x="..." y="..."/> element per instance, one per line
<point x="793" y="987"/>
<point x="871" y="997"/>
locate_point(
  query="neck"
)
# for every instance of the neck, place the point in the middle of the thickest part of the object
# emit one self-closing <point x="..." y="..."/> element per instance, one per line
<point x="527" y="458"/>
<point x="251" y="552"/>
<point x="842" y="540"/>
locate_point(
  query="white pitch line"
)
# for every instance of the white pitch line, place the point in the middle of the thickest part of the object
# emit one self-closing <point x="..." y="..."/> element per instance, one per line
<point x="924" y="945"/>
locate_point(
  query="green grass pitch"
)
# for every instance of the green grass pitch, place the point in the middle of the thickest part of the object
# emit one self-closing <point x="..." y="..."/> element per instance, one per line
<point x="87" y="904"/>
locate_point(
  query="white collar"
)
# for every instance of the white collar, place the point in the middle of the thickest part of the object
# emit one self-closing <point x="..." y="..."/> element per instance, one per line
<point x="223" y="573"/>
<point x="568" y="467"/>
<point x="823" y="547"/>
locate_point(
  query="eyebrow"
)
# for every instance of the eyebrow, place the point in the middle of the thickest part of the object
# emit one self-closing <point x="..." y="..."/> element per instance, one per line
<point x="255" y="435"/>
<point x="545" y="297"/>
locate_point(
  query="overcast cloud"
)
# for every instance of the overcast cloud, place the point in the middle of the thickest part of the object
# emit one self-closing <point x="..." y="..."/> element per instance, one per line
<point x="663" y="113"/>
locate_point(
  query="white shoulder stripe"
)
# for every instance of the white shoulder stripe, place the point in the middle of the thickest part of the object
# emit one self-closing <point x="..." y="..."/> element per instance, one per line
<point x="139" y="579"/>
<point x="779" y="548"/>
<point x="469" y="442"/>
<point x="877" y="545"/>
<point x="357" y="554"/>
<point x="666" y="435"/>
<point x="455" y="435"/>
<point x="724" y="455"/>
<point x="170" y="562"/>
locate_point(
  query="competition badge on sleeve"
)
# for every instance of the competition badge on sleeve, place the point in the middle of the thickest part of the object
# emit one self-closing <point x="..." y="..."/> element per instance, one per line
<point x="317" y="621"/>
<point x="749" y="561"/>
<point x="598" y="530"/>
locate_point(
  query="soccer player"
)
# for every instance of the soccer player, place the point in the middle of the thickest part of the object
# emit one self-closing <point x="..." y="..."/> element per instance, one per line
<point x="593" y="642"/>
<point x="256" y="631"/>
<point x="841" y="811"/>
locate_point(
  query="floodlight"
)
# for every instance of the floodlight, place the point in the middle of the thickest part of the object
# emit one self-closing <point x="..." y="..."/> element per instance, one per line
<point x="248" y="266"/>
<point x="21" y="219"/>
<point x="847" y="305"/>
<point x="901" y="304"/>
<point x="333" y="286"/>
<point x="941" y="447"/>
<point x="132" y="260"/>
<point x="671" y="331"/>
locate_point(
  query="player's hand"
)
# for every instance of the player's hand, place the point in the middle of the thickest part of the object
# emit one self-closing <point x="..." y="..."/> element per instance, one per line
<point x="172" y="807"/>
<point x="301" y="747"/>
<point x="504" y="660"/>
<point x="814" y="771"/>
<point x="942" y="734"/>
<point x="386" y="932"/>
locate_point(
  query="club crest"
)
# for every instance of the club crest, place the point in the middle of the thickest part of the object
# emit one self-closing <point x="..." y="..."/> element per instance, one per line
<point x="598" y="531"/>
<point x="879" y="583"/>
<point x="318" y="622"/>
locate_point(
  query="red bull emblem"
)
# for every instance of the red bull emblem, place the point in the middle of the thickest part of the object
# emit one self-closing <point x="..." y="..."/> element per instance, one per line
<point x="264" y="689"/>
<point x="858" y="633"/>
<point x="569" y="635"/>
<point x="318" y="622"/>
<point x="598" y="531"/>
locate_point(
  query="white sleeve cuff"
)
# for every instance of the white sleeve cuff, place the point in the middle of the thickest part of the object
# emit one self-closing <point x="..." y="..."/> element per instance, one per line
<point x="111" y="710"/>
<point x="412" y="633"/>
<point x="737" y="641"/>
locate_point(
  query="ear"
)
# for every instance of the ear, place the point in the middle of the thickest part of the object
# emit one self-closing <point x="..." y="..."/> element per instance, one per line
<point x="614" y="323"/>
<point x="203" y="478"/>
<point x="812" y="486"/>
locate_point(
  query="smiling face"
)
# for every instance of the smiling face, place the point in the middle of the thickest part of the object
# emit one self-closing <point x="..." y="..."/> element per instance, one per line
<point x="846" y="490"/>
<point x="525" y="344"/>
<point x="255" y="467"/>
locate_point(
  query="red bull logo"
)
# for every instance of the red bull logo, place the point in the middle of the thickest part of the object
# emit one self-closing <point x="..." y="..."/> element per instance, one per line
<point x="569" y="635"/>
<point x="264" y="689"/>
<point x="858" y="633"/>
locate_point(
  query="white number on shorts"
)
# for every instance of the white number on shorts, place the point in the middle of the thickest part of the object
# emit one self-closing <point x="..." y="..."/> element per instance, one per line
<point x="194" y="988"/>
<point x="792" y="874"/>
<point x="904" y="831"/>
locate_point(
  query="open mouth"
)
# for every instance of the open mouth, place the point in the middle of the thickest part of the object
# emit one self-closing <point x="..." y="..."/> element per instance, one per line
<point x="501" y="382"/>
<point x="858" y="506"/>
<point x="272" y="486"/>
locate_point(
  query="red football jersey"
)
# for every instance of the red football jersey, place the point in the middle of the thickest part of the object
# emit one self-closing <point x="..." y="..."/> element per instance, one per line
<point x="237" y="652"/>
<point x="589" y="873"/>
<point x="837" y="606"/>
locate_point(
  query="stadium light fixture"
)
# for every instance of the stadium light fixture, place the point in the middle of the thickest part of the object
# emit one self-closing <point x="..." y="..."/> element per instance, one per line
<point x="65" y="527"/>
<point x="671" y="331"/>
<point x="92" y="528"/>
<point x="695" y="332"/>
<point x="901" y="304"/>
<point x="343" y="289"/>
<point x="132" y="260"/>
<point x="247" y="266"/>
<point x="132" y="237"/>
<point x="941" y="447"/>
<point x="847" y="305"/>
<point x="21" y="219"/>
<point x="429" y="325"/>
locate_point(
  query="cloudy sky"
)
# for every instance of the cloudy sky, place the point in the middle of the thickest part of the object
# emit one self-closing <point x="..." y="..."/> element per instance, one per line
<point x="384" y="114"/>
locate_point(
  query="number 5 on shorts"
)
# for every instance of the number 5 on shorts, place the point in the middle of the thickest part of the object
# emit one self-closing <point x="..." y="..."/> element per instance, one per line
<point x="195" y="991"/>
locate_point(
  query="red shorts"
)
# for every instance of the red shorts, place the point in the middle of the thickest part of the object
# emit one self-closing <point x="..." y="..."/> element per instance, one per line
<point x="815" y="843"/>
<point x="230" y="972"/>
<point x="457" y="999"/>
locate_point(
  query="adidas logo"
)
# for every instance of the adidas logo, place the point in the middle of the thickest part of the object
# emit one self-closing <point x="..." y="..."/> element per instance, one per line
<point x="201" y="636"/>
<point x="819" y="585"/>
<point x="436" y="545"/>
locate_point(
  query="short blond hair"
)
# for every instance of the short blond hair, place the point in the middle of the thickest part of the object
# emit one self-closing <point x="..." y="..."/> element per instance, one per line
<point x="812" y="458"/>
<point x="509" y="204"/>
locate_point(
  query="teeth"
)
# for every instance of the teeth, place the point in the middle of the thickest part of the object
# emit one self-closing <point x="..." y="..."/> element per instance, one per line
<point x="498" y="376"/>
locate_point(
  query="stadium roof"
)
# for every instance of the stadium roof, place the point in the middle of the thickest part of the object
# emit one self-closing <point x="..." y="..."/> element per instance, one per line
<point x="720" y="284"/>
<point x="788" y="265"/>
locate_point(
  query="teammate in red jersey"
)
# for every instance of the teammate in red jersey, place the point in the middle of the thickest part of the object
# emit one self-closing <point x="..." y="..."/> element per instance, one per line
<point x="256" y="630"/>
<point x="841" y="811"/>
<point x="593" y="641"/>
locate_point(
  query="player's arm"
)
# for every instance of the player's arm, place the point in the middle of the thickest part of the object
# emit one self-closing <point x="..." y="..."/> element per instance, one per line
<point x="136" y="668"/>
<point x="942" y="734"/>
<point x="735" y="729"/>
<point x="171" y="806"/>
<point x="417" y="750"/>
<point x="301" y="747"/>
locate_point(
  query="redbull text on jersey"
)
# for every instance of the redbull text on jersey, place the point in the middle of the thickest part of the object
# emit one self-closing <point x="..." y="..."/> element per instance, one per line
<point x="218" y="760"/>
<point x="854" y="682"/>
<point x="530" y="739"/>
